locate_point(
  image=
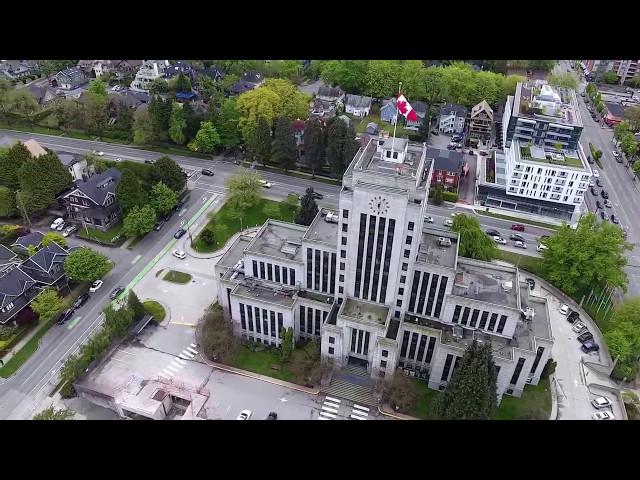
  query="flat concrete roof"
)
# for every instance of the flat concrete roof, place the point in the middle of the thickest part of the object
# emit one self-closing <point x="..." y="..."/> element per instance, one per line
<point x="235" y="251"/>
<point x="430" y="250"/>
<point x="264" y="294"/>
<point x="322" y="231"/>
<point x="486" y="283"/>
<point x="279" y="239"/>
<point x="538" y="326"/>
<point x="354" y="308"/>
<point x="531" y="102"/>
<point x="316" y="297"/>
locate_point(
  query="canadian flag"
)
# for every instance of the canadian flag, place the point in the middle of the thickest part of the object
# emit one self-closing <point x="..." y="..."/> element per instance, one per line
<point x="406" y="109"/>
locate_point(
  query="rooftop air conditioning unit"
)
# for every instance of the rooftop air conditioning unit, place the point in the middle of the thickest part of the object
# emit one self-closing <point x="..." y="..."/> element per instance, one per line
<point x="507" y="286"/>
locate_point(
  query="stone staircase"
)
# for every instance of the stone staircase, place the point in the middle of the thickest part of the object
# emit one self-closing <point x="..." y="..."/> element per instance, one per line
<point x="352" y="383"/>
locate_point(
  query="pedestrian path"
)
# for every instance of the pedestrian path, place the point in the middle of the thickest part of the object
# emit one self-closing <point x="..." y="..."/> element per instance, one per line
<point x="179" y="362"/>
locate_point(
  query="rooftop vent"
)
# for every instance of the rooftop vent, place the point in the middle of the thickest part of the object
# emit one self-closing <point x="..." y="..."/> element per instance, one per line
<point x="107" y="181"/>
<point x="507" y="286"/>
<point x="289" y="249"/>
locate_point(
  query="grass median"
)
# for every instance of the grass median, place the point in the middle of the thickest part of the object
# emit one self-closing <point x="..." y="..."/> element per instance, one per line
<point x="524" y="221"/>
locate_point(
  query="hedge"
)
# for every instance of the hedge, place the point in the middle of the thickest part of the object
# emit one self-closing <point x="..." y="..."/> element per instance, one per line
<point x="450" y="197"/>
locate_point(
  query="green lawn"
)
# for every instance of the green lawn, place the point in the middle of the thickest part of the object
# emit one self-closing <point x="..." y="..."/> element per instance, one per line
<point x="154" y="309"/>
<point x="105" y="237"/>
<point x="360" y="124"/>
<point x="424" y="404"/>
<point x="260" y="362"/>
<point x="177" y="277"/>
<point x="224" y="226"/>
<point x="517" y="220"/>
<point x="525" y="262"/>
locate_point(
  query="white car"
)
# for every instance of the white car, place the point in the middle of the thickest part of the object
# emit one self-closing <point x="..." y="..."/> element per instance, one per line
<point x="520" y="244"/>
<point x="61" y="226"/>
<point x="541" y="247"/>
<point x="69" y="230"/>
<point x="564" y="309"/>
<point x="118" y="159"/>
<point x="615" y="154"/>
<point x="190" y="173"/>
<point x="100" y="154"/>
<point x="499" y="240"/>
<point x="448" y="222"/>
<point x="56" y="223"/>
<point x="603" y="416"/>
<point x="179" y="254"/>
<point x="578" y="326"/>
<point x="601" y="402"/>
<point x="265" y="184"/>
<point x="245" y="415"/>
<point x="592" y="183"/>
<point x="95" y="286"/>
<point x="596" y="174"/>
<point x="428" y="219"/>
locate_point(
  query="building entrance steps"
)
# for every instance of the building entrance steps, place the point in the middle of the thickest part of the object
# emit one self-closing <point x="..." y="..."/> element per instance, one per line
<point x="357" y="393"/>
<point x="357" y="370"/>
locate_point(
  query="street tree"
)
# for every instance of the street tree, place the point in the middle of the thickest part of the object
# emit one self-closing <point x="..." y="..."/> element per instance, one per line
<point x="401" y="394"/>
<point x="610" y="77"/>
<point x="135" y="305"/>
<point x="194" y="119"/>
<point x="623" y="337"/>
<point x="629" y="145"/>
<point x="350" y="75"/>
<point x="167" y="171"/>
<point x="566" y="80"/>
<point x="10" y="163"/>
<point x="255" y="104"/>
<point x="592" y="254"/>
<point x="53" y="237"/>
<point x="42" y="179"/>
<point x="95" y="113"/>
<point x="438" y="197"/>
<point x="315" y="146"/>
<point x="206" y="140"/>
<point x="243" y="189"/>
<point x="621" y="130"/>
<point x="284" y="144"/>
<point x="52" y="413"/>
<point x="86" y="264"/>
<point x="260" y="141"/>
<point x="160" y="112"/>
<point x="382" y="78"/>
<point x="163" y="199"/>
<point x="177" y="124"/>
<point x="336" y="141"/>
<point x="47" y="304"/>
<point x="474" y="243"/>
<point x="227" y="125"/>
<point x="142" y="127"/>
<point x="636" y="168"/>
<point x="97" y="87"/>
<point x="471" y="393"/>
<point x="131" y="192"/>
<point x="215" y="336"/>
<point x="308" y="208"/>
<point x="139" y="221"/>
<point x="181" y="83"/>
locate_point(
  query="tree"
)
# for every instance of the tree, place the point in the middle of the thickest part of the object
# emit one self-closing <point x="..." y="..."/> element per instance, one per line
<point x="350" y="75"/>
<point x="286" y="349"/>
<point x="636" y="168"/>
<point x="10" y="164"/>
<point x="42" y="179"/>
<point x="593" y="254"/>
<point x="244" y="189"/>
<point x="163" y="199"/>
<point x="634" y="82"/>
<point x="167" y="171"/>
<point x="567" y="80"/>
<point x="437" y="195"/>
<point x="284" y="144"/>
<point x="336" y="140"/>
<point x="215" y="336"/>
<point x="474" y="243"/>
<point x="207" y="236"/>
<point x="98" y="87"/>
<point x="632" y="114"/>
<point x="47" y="304"/>
<point x="193" y="119"/>
<point x="131" y="192"/>
<point x="67" y="113"/>
<point x="177" y="124"/>
<point x="227" y="125"/>
<point x="314" y="146"/>
<point x="95" y="113"/>
<point x="51" y="413"/>
<point x="86" y="264"/>
<point x="139" y="221"/>
<point x="382" y="78"/>
<point x="159" y="85"/>
<point x="471" y="393"/>
<point x="458" y="79"/>
<point x="142" y="127"/>
<point x="308" y="208"/>
<point x="7" y="202"/>
<point x="207" y="139"/>
<point x="629" y="145"/>
<point x="181" y="83"/>
<point x="401" y="394"/>
<point x="623" y="337"/>
<point x="541" y="64"/>
<point x="135" y="305"/>
<point x="160" y="112"/>
<point x="51" y="237"/>
<point x="260" y="141"/>
<point x="610" y="77"/>
<point x="621" y="130"/>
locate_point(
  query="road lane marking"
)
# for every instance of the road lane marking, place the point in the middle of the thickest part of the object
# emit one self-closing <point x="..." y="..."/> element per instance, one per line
<point x="135" y="260"/>
<point x="73" y="323"/>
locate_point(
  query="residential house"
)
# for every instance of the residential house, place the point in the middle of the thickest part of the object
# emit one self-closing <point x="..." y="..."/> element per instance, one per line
<point x="322" y="109"/>
<point x="212" y="72"/>
<point x="76" y="165"/>
<point x="150" y="71"/>
<point x="122" y="68"/>
<point x="615" y="113"/>
<point x="389" y="111"/>
<point x="448" y="166"/>
<point x="30" y="239"/>
<point x="17" y="290"/>
<point x="481" y="121"/>
<point x="7" y="259"/>
<point x="421" y="111"/>
<point x="372" y="128"/>
<point x="452" y="118"/>
<point x="177" y="67"/>
<point x="249" y="81"/>
<point x="70" y="79"/>
<point x="46" y="266"/>
<point x="96" y="68"/>
<point x="330" y="94"/>
<point x="35" y="149"/>
<point x="94" y="202"/>
<point x="15" y="69"/>
<point x="358" y="105"/>
<point x="186" y="97"/>
<point x="43" y="94"/>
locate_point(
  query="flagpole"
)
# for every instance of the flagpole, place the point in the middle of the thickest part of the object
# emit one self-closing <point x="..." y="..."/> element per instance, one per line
<point x="393" y="142"/>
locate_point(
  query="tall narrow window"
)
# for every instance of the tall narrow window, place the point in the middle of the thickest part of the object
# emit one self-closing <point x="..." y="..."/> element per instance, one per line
<point x="387" y="260"/>
<point x="316" y="270"/>
<point x="366" y="344"/>
<point x="325" y="272"/>
<point x="422" y="296"/>
<point x="405" y="343"/>
<point x="441" y="292"/>
<point x="255" y="268"/>
<point x="285" y="277"/>
<point x="332" y="287"/>
<point x="378" y="260"/>
<point x="277" y="273"/>
<point x="492" y="322"/>
<point x="269" y="272"/>
<point x="516" y="372"/>
<point x="537" y="360"/>
<point x="280" y="323"/>
<point x="250" y="317"/>
<point x="354" y="335"/>
<point x="474" y="318"/>
<point x="414" y="290"/>
<point x="432" y="344"/>
<point x="414" y="344"/>
<point x="447" y="367"/>
<point x="262" y="274"/>
<point x="465" y="316"/>
<point x="257" y="317"/>
<point x="309" y="268"/>
<point x="310" y="320"/>
<point x="272" y="317"/>
<point x="292" y="276"/>
<point x="456" y="314"/>
<point x="359" y="259"/>
<point x="265" y="322"/>
<point x="483" y="319"/>
<point x="423" y="343"/>
<point x="369" y="257"/>
<point x="243" y="322"/>
<point x="303" y="310"/>
<point x="432" y="293"/>
<point x="317" y="329"/>
<point x="503" y="320"/>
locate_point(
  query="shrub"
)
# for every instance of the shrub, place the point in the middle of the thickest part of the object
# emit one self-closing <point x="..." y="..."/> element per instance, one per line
<point x="207" y="236"/>
<point x="623" y="370"/>
<point x="6" y="332"/>
<point x="450" y="197"/>
<point x="549" y="368"/>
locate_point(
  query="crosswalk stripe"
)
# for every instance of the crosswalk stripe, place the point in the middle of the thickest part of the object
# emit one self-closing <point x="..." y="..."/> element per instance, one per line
<point x="188" y="354"/>
<point x="355" y="417"/>
<point x="173" y="368"/>
<point x="332" y="399"/>
<point x="332" y="405"/>
<point x="360" y="407"/>
<point x="359" y="413"/>
<point x="322" y="418"/>
<point x="192" y="350"/>
<point x="168" y="372"/>
<point x="193" y="345"/>
<point x="184" y="357"/>
<point x="327" y="414"/>
<point x="182" y="362"/>
<point x="327" y="409"/>
<point x="163" y="375"/>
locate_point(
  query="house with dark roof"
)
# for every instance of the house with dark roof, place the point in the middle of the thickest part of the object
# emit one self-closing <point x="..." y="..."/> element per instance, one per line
<point x="94" y="202"/>
<point x="76" y="164"/>
<point x="615" y="113"/>
<point x="322" y="109"/>
<point x="249" y="81"/>
<point x="17" y="290"/>
<point x="358" y="105"/>
<point x="8" y="258"/>
<point x="447" y="167"/>
<point x="330" y="94"/>
<point x="47" y="264"/>
<point x="15" y="69"/>
<point x="452" y="118"/>
<point x="23" y="243"/>
<point x="421" y="111"/>
<point x="213" y="72"/>
<point x="43" y="94"/>
<point x="177" y="67"/>
<point x="70" y="79"/>
<point x="251" y="76"/>
<point x="481" y="121"/>
<point x="389" y="111"/>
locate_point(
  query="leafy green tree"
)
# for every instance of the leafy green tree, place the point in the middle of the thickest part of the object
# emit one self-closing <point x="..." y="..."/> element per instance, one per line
<point x="244" y="189"/>
<point x="98" y="87"/>
<point x="459" y="82"/>
<point x="308" y="208"/>
<point x="629" y="145"/>
<point x="260" y="141"/>
<point x="163" y="199"/>
<point x="159" y="85"/>
<point x="47" y="304"/>
<point x="471" y="393"/>
<point x="193" y="119"/>
<point x="51" y="413"/>
<point x="474" y="243"/>
<point x="160" y="112"/>
<point x="401" y="394"/>
<point x="207" y="236"/>
<point x="623" y="336"/>
<point x="207" y="139"/>
<point x="350" y="75"/>
<point x="67" y="113"/>
<point x="286" y="349"/>
<point x="336" y="140"/>
<point x="139" y="221"/>
<point x="167" y="171"/>
<point x="7" y="202"/>
<point x="485" y="88"/>
<point x="142" y="127"/>
<point x="181" y="83"/>
<point x="284" y="145"/>
<point x="135" y="305"/>
<point x="636" y="168"/>
<point x="86" y="264"/>
<point x="593" y="254"/>
<point x="177" y="124"/>
<point x="382" y="78"/>
<point x="42" y="179"/>
<point x="621" y="130"/>
<point x="10" y="164"/>
<point x="117" y="321"/>
<point x="315" y="146"/>
<point x="51" y="237"/>
<point x="541" y="64"/>
<point x="610" y="77"/>
<point x="131" y="192"/>
<point x="95" y="113"/>
<point x="227" y="125"/>
<point x="438" y="195"/>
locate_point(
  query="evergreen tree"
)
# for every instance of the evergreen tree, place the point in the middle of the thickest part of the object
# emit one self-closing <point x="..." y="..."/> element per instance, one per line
<point x="160" y="112"/>
<point x="341" y="146"/>
<point x="181" y="83"/>
<point x="130" y="192"/>
<point x="193" y="120"/>
<point x="167" y="171"/>
<point x="423" y="130"/>
<point x="177" y="124"/>
<point x="135" y="305"/>
<point x="284" y="144"/>
<point x="10" y="163"/>
<point x="437" y="195"/>
<point x="42" y="179"/>
<point x="308" y="208"/>
<point x="471" y="393"/>
<point x="315" y="145"/>
<point x="260" y="141"/>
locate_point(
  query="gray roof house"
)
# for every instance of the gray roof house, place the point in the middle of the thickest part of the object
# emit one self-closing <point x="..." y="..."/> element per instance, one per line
<point x="421" y="111"/>
<point x="213" y="72"/>
<point x="94" y="202"/>
<point x="33" y="238"/>
<point x="358" y="105"/>
<point x="177" y="67"/>
<point x="389" y="111"/>
<point x="17" y="290"/>
<point x="71" y="78"/>
<point x="7" y="258"/>
<point x="452" y="118"/>
<point x="47" y="264"/>
<point x="43" y="94"/>
<point x="250" y="80"/>
<point x="330" y="94"/>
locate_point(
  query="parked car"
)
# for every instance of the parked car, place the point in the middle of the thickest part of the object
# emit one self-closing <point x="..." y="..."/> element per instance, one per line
<point x="531" y="282"/>
<point x="603" y="416"/>
<point x="428" y="219"/>
<point x="115" y="292"/>
<point x="520" y="244"/>
<point x="179" y="254"/>
<point x="518" y="227"/>
<point x="492" y="233"/>
<point x="573" y="316"/>
<point x="118" y="159"/>
<point x="598" y="204"/>
<point x="517" y="237"/>
<point x="272" y="416"/>
<point x="447" y="222"/>
<point x="57" y="222"/>
<point x="596" y="174"/>
<point x="179" y="233"/>
<point x="150" y="162"/>
<point x="69" y="230"/>
<point x="604" y="215"/>
<point x="66" y="315"/>
<point x="594" y="192"/>
<point x="592" y="183"/>
<point x="608" y="204"/>
<point x="589" y="159"/>
<point x="456" y="138"/>
<point x="499" y="240"/>
<point x="245" y="415"/>
<point x="265" y="184"/>
<point x="616" y="154"/>
<point x="601" y="402"/>
<point x="207" y="172"/>
<point x="578" y="326"/>
<point x="159" y="224"/>
<point x="541" y="247"/>
<point x="604" y="194"/>
<point x="61" y="226"/>
<point x="583" y="337"/>
<point x="179" y="205"/>
<point x="95" y="286"/>
<point x="590" y="346"/>
<point x="81" y="300"/>
<point x="564" y="309"/>
<point x="598" y="182"/>
<point x="614" y="219"/>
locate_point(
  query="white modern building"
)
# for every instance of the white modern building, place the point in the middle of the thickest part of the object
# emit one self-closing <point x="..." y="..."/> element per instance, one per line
<point x="149" y="71"/>
<point x="379" y="288"/>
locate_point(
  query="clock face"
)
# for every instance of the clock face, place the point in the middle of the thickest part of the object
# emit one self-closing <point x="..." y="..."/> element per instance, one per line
<point x="379" y="205"/>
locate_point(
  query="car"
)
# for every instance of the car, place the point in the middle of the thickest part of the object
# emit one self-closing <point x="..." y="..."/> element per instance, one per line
<point x="69" y="230"/>
<point x="596" y="174"/>
<point x="492" y="233"/>
<point x="573" y="316"/>
<point x="578" y="326"/>
<point x="451" y="146"/>
<point x="601" y="402"/>
<point x="604" y="194"/>
<point x="456" y="138"/>
<point x="272" y="416"/>
<point x="594" y="192"/>
<point x="150" y="162"/>
<point x="517" y="237"/>
<point x="614" y="219"/>
<point x="118" y="159"/>
<point x="447" y="222"/>
<point x="584" y="336"/>
<point x="207" y="172"/>
<point x="178" y="206"/>
<point x="56" y="223"/>
<point x="590" y="160"/>
<point x="190" y="173"/>
<point x="541" y="247"/>
<point x="520" y="244"/>
<point x="61" y="227"/>
<point x="608" y="204"/>
<point x="625" y="232"/>
<point x="100" y="154"/>
<point x="518" y="227"/>
<point x="66" y="315"/>
<point x="619" y="159"/>
<point x="598" y="204"/>
<point x="603" y="416"/>
<point x="179" y="233"/>
<point x="470" y="152"/>
<point x="179" y="254"/>
<point x="159" y="224"/>
<point x="115" y="292"/>
<point x="316" y="195"/>
<point x="564" y="309"/>
<point x="598" y="182"/>
<point x="604" y="215"/>
<point x="591" y="183"/>
<point x="499" y="240"/>
<point x="95" y="286"/>
<point x="428" y="219"/>
<point x="265" y="184"/>
<point x="616" y="154"/>
<point x="244" y="415"/>
<point x="590" y="346"/>
<point x="531" y="282"/>
<point x="81" y="300"/>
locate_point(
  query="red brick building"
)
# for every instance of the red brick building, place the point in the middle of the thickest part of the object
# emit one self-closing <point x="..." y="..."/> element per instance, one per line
<point x="448" y="166"/>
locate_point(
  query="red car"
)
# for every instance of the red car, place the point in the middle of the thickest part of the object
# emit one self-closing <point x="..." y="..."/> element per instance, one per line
<point x="518" y="227"/>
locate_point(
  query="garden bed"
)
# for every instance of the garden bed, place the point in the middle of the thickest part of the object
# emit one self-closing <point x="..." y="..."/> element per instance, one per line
<point x="177" y="277"/>
<point x="154" y="309"/>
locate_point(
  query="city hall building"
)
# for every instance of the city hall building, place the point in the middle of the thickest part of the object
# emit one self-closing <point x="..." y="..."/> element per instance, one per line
<point x="381" y="289"/>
